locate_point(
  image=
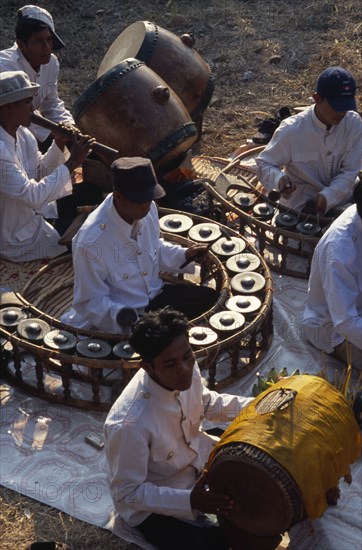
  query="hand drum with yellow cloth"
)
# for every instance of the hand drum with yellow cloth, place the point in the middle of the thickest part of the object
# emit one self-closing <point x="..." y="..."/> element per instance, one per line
<point x="282" y="454"/>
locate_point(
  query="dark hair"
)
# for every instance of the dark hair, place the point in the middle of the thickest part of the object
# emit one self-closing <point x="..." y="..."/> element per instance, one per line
<point x="357" y="196"/>
<point x="26" y="26"/>
<point x="156" y="330"/>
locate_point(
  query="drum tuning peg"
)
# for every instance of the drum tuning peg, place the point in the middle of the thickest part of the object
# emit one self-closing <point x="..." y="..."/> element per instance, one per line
<point x="188" y="40"/>
<point x="160" y="94"/>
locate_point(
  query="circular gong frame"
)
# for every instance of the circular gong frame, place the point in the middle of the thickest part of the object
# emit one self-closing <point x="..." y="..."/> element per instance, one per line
<point x="285" y="251"/>
<point x="49" y="293"/>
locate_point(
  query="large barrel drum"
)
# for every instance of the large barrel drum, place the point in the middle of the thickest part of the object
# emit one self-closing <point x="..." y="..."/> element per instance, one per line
<point x="171" y="57"/>
<point x="283" y="454"/>
<point x="131" y="109"/>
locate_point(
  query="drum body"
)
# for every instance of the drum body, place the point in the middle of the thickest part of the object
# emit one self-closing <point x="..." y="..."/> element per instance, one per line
<point x="171" y="57"/>
<point x="283" y="452"/>
<point x="131" y="109"/>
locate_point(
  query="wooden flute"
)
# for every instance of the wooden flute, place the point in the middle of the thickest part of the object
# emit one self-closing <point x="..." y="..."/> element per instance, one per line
<point x="109" y="152"/>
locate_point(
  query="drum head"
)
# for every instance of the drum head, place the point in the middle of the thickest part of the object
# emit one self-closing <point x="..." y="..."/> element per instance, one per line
<point x="175" y="223"/>
<point x="262" y="506"/>
<point x="247" y="282"/>
<point x="228" y="247"/>
<point x="205" y="232"/>
<point x="127" y="44"/>
<point x="243" y="262"/>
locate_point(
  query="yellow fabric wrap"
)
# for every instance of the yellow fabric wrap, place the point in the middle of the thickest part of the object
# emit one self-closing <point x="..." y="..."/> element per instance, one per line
<point x="315" y="438"/>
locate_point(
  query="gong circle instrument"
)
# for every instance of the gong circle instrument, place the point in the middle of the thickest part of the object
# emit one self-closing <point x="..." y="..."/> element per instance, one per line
<point x="173" y="58"/>
<point x="282" y="454"/>
<point x="236" y="329"/>
<point x="132" y="109"/>
<point x="286" y="238"/>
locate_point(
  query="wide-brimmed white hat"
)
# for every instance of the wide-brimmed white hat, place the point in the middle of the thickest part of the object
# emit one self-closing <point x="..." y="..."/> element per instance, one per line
<point x="14" y="86"/>
<point x="35" y="12"/>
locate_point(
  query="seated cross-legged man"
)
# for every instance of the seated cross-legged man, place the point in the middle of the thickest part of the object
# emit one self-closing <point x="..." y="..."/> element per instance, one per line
<point x="118" y="255"/>
<point x="29" y="181"/>
<point x="332" y="319"/>
<point x="314" y="157"/>
<point x="157" y="449"/>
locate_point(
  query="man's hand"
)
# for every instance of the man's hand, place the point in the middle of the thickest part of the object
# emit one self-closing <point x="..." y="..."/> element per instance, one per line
<point x="125" y="318"/>
<point x="207" y="501"/>
<point x="81" y="146"/>
<point x="286" y="187"/>
<point x="197" y="253"/>
<point x="64" y="138"/>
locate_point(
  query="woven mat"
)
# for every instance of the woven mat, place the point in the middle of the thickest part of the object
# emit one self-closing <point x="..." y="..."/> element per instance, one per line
<point x="14" y="276"/>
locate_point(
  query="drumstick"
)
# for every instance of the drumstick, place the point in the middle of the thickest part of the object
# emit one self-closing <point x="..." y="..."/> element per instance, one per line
<point x="225" y="233"/>
<point x="187" y="262"/>
<point x="53" y="126"/>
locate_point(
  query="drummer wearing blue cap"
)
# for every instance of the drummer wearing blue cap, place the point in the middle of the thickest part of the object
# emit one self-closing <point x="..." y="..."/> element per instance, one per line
<point x="314" y="157"/>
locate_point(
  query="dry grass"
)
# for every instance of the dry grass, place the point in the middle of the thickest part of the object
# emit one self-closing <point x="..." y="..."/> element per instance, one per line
<point x="238" y="39"/>
<point x="23" y="520"/>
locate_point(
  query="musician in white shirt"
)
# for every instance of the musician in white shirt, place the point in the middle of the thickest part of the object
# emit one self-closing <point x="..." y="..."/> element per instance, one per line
<point x="314" y="157"/>
<point x="32" y="53"/>
<point x="156" y="447"/>
<point x="29" y="180"/>
<point x="332" y="319"/>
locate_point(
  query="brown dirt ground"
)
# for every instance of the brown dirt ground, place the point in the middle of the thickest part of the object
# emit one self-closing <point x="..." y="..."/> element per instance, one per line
<point x="238" y="39"/>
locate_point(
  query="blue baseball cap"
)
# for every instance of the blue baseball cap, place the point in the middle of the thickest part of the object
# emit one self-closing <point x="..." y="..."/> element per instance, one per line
<point x="339" y="87"/>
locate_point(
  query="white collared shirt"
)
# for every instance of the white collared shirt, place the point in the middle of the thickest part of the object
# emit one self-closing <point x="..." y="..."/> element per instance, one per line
<point x="315" y="159"/>
<point x="333" y="310"/>
<point x="155" y="447"/>
<point x="46" y="100"/>
<point x="29" y="181"/>
<point x="112" y="270"/>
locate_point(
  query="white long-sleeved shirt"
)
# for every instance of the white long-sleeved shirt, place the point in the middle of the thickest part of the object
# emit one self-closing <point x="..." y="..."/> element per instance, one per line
<point x="112" y="270"/>
<point x="28" y="182"/>
<point x="46" y="100"/>
<point x="315" y="159"/>
<point x="155" y="447"/>
<point x="333" y="310"/>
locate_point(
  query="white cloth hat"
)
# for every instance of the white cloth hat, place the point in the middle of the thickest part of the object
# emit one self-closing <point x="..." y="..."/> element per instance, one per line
<point x="35" y="12"/>
<point x="14" y="86"/>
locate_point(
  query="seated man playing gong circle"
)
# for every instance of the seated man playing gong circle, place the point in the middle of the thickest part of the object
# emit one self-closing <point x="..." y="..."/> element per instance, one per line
<point x="314" y="157"/>
<point x="118" y="255"/>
